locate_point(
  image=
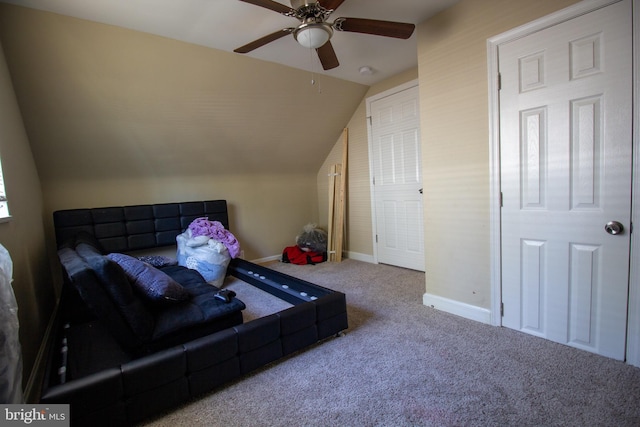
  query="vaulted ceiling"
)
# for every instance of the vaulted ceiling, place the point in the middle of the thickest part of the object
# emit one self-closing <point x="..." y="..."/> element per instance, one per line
<point x="228" y="24"/>
<point x="144" y="88"/>
<point x="100" y="102"/>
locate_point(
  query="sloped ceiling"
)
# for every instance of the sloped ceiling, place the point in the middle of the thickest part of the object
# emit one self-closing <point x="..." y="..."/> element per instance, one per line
<point x="100" y="101"/>
<point x="228" y="24"/>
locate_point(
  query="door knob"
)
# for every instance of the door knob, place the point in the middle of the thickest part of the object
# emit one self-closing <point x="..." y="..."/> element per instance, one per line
<point x="614" y="227"/>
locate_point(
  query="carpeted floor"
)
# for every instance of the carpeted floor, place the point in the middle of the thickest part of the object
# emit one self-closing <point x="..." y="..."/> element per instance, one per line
<point x="401" y="363"/>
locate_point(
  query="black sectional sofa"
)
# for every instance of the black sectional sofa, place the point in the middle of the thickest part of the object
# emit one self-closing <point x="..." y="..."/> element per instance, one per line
<point x="116" y="366"/>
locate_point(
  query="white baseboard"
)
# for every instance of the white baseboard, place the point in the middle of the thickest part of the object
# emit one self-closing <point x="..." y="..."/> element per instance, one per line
<point x="361" y="257"/>
<point x="266" y="259"/>
<point x="458" y="308"/>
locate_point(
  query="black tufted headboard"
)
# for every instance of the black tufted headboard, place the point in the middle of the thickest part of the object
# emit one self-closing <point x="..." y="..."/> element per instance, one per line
<point x="127" y="228"/>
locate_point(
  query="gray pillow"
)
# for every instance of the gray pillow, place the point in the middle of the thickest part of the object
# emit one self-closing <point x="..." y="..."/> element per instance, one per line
<point x="158" y="261"/>
<point x="152" y="284"/>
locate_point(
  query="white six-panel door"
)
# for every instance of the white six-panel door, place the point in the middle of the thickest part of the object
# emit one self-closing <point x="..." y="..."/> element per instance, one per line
<point x="565" y="152"/>
<point x="397" y="174"/>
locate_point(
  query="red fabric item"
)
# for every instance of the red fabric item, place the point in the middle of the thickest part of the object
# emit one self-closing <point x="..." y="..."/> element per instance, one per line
<point x="295" y="255"/>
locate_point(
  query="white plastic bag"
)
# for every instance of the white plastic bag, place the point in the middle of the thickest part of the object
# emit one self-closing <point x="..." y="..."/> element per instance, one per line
<point x="10" y="352"/>
<point x="207" y="256"/>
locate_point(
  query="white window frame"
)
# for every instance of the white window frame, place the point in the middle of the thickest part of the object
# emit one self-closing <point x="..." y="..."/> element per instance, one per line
<point x="4" y="205"/>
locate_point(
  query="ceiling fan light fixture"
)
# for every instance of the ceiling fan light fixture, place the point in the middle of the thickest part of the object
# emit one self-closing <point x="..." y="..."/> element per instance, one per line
<point x="313" y="35"/>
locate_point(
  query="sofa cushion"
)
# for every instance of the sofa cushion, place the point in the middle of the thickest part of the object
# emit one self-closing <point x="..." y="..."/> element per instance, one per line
<point x="190" y="279"/>
<point x="202" y="308"/>
<point x="85" y="281"/>
<point x="115" y="283"/>
<point x="81" y="237"/>
<point x="151" y="283"/>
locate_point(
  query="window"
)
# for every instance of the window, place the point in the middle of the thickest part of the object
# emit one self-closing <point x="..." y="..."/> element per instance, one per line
<point x="4" y="206"/>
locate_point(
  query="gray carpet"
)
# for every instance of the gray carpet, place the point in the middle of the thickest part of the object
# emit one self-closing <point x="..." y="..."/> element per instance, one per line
<point x="401" y="363"/>
<point x="259" y="303"/>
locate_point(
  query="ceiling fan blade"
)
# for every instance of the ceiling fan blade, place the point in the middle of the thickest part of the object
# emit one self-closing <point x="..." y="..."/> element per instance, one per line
<point x="327" y="56"/>
<point x="264" y="40"/>
<point x="271" y="5"/>
<point x="398" y="30"/>
<point x="331" y="4"/>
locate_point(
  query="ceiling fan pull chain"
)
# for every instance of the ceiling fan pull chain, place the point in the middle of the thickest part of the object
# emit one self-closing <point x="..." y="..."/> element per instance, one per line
<point x="312" y="66"/>
<point x="313" y="77"/>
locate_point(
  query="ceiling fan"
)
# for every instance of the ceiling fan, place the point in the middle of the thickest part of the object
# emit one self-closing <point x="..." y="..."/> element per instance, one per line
<point x="314" y="32"/>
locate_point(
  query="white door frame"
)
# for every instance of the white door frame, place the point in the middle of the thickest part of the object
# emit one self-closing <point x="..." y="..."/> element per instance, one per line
<point x="581" y="8"/>
<point x="370" y="100"/>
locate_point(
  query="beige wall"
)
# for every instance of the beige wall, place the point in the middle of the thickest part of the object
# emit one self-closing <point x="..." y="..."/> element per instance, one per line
<point x="452" y="64"/>
<point x="118" y="117"/>
<point x="265" y="211"/>
<point x="358" y="220"/>
<point x="23" y="235"/>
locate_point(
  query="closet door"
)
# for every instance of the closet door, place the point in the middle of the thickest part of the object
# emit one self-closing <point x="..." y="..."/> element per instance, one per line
<point x="397" y="175"/>
<point x="565" y="141"/>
